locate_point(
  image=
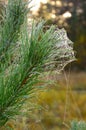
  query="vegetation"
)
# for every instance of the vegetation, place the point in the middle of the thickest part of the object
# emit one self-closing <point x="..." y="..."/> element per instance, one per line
<point x="70" y="14"/>
<point x="48" y="111"/>
<point x="25" y="55"/>
<point x="78" y="125"/>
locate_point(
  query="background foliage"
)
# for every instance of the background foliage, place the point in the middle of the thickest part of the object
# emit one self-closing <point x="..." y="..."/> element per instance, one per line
<point x="70" y="14"/>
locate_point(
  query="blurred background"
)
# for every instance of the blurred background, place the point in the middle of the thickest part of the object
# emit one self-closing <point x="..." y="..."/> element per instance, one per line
<point x="68" y="14"/>
<point x="64" y="99"/>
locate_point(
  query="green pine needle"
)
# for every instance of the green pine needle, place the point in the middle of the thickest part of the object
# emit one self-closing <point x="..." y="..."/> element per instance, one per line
<point x="24" y="55"/>
<point x="75" y="125"/>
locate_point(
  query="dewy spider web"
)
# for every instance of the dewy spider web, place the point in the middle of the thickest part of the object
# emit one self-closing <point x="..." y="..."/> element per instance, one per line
<point x="62" y="51"/>
<point x="69" y="93"/>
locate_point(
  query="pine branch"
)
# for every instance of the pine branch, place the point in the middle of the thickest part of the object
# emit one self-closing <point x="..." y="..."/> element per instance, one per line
<point x="75" y="125"/>
<point x="36" y="51"/>
<point x="14" y="17"/>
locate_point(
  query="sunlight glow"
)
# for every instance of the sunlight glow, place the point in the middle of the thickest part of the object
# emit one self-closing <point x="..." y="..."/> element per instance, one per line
<point x="53" y="16"/>
<point x="35" y="4"/>
<point x="43" y="1"/>
<point x="67" y="14"/>
<point x="59" y="3"/>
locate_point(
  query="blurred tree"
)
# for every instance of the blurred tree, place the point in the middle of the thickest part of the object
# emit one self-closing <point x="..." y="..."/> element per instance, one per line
<point x="77" y="25"/>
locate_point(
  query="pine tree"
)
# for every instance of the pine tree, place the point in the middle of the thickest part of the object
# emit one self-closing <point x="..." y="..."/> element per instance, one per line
<point x="26" y="53"/>
<point x="75" y="125"/>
